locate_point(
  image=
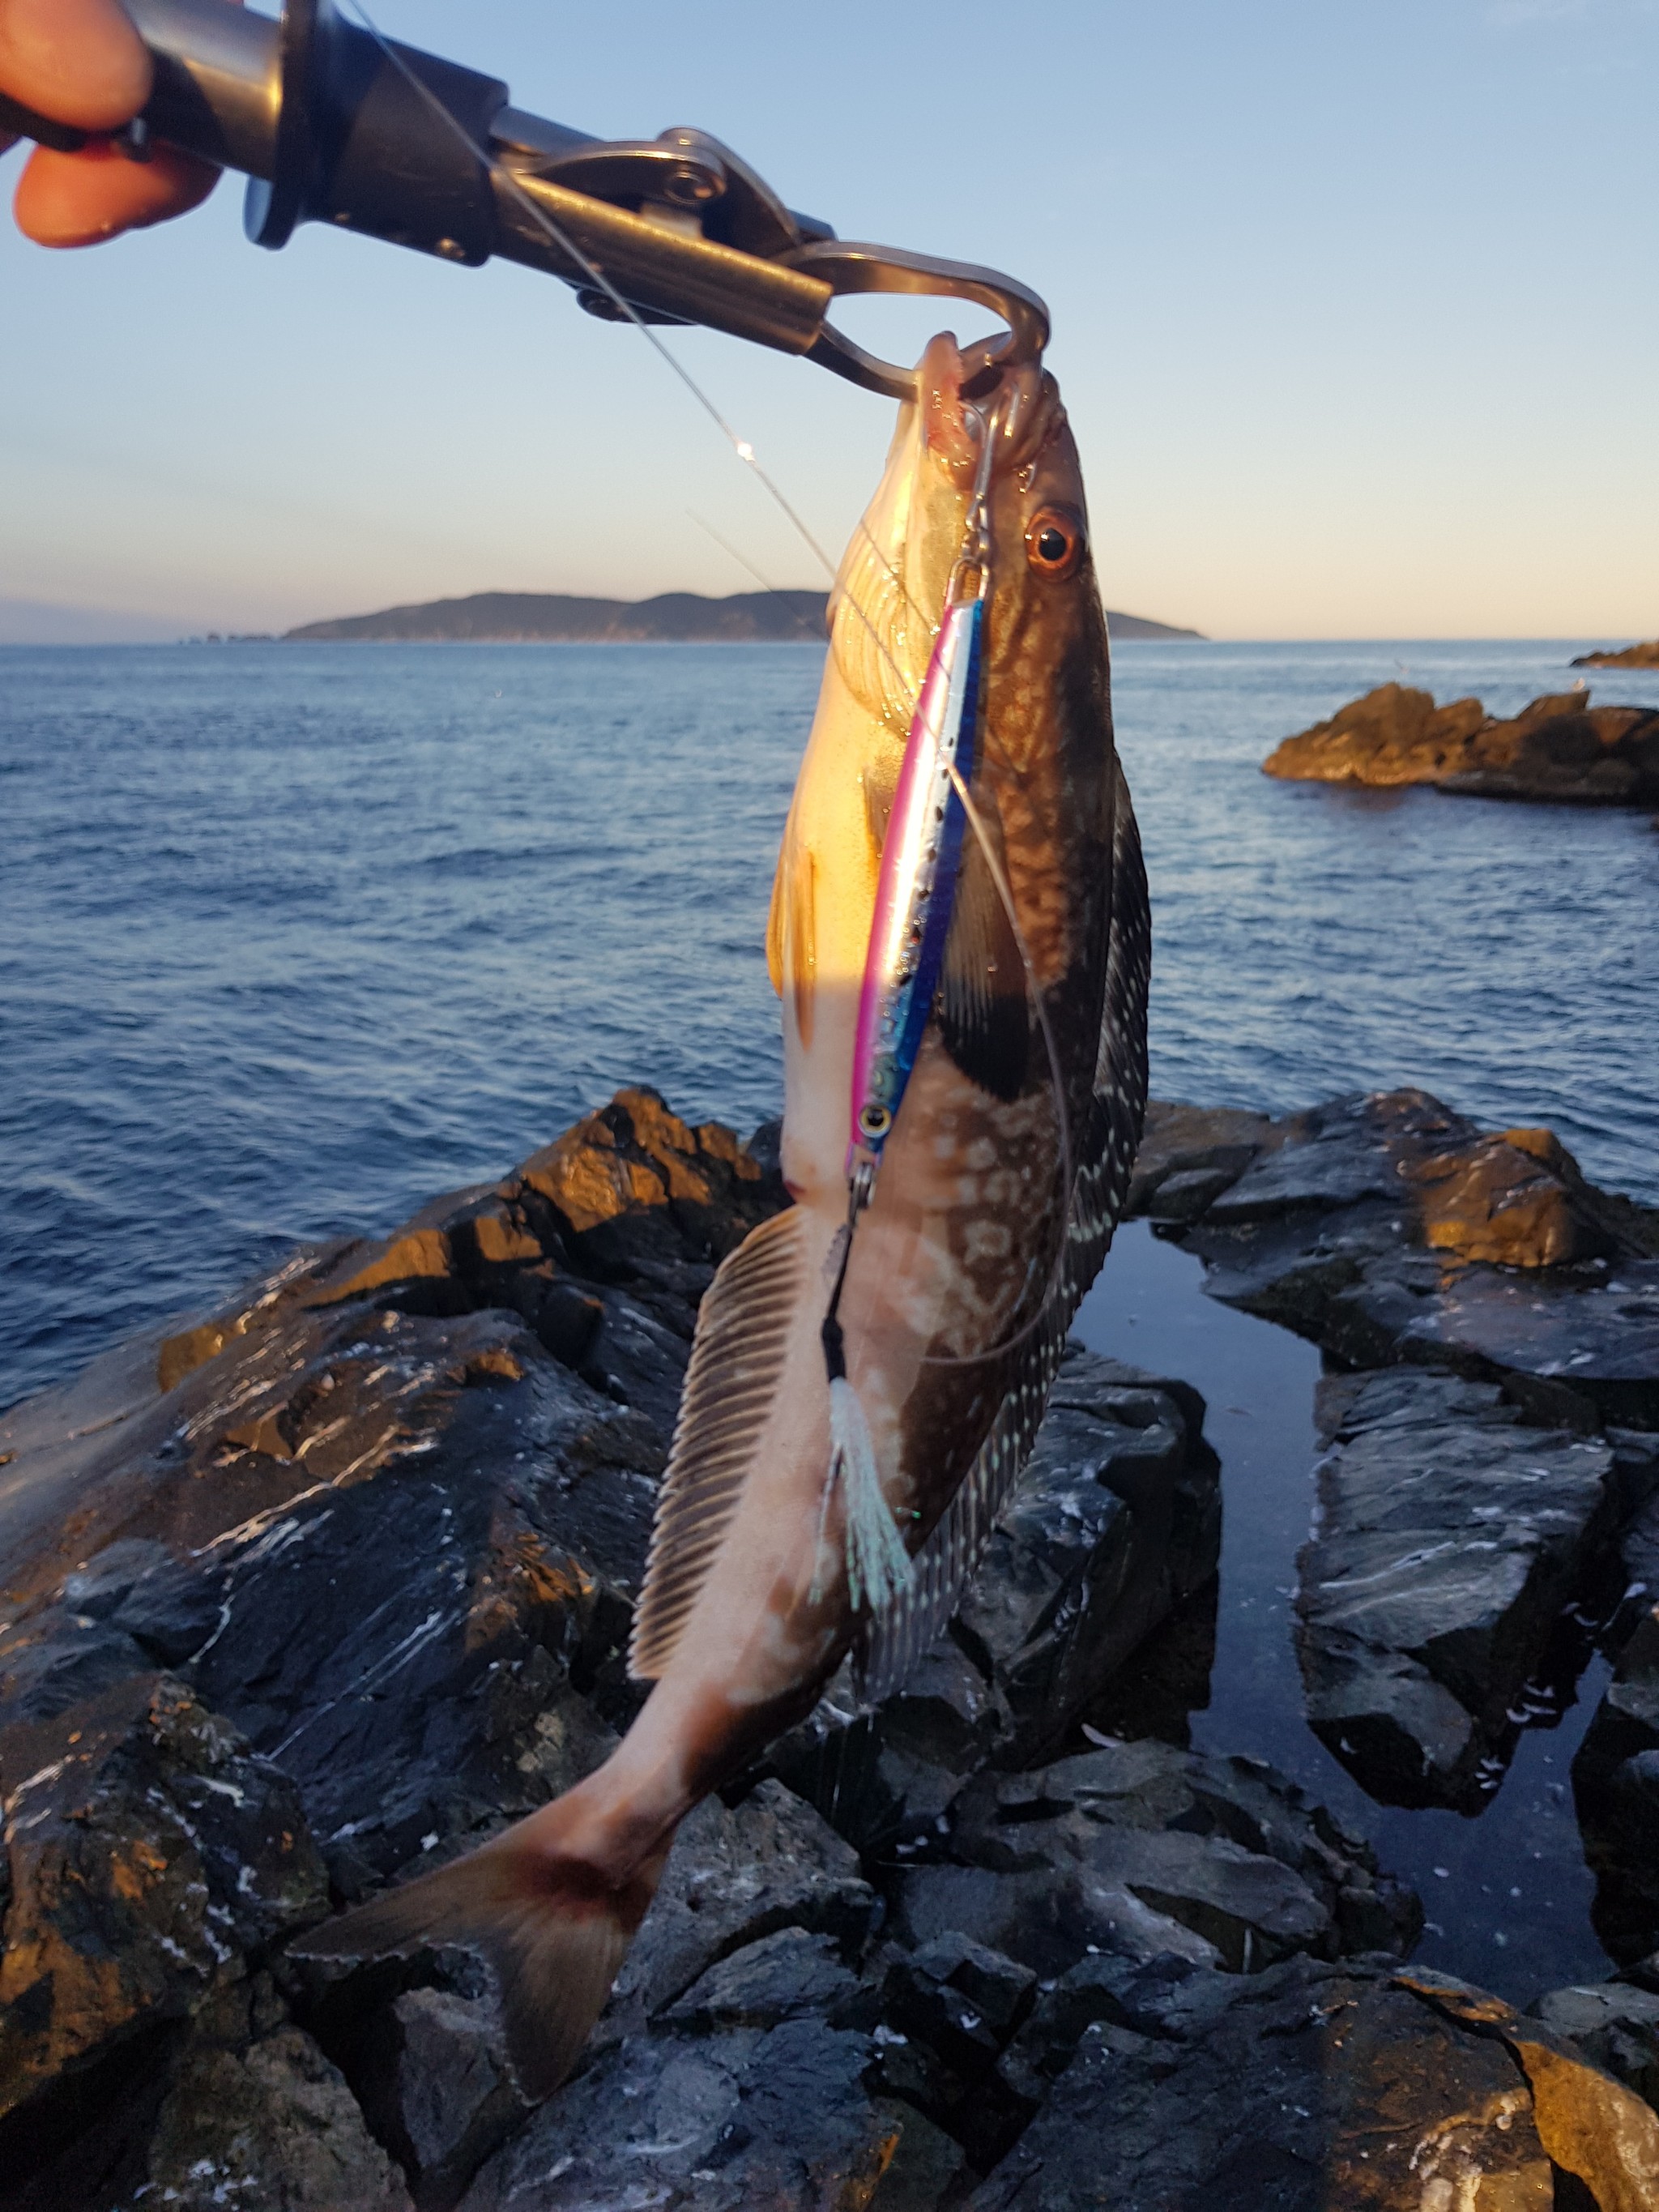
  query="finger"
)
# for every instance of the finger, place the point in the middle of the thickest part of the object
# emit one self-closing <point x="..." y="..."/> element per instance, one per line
<point x="77" y="199"/>
<point x="79" y="60"/>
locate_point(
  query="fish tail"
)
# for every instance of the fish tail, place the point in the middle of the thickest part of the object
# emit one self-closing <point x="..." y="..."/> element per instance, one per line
<point x="553" y="1929"/>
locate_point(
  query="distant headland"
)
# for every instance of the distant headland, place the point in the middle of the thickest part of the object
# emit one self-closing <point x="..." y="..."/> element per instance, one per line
<point x="1633" y="656"/>
<point x="672" y="617"/>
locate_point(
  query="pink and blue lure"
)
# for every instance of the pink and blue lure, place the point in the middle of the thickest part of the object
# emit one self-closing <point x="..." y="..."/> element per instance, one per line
<point x="916" y="892"/>
<point x="916" y="888"/>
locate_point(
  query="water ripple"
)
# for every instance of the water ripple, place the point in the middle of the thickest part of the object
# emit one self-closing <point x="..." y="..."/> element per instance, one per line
<point x="299" y="935"/>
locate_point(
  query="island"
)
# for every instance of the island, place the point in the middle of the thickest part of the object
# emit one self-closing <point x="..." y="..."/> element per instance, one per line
<point x="1633" y="656"/>
<point x="1559" y="748"/>
<point x="671" y="618"/>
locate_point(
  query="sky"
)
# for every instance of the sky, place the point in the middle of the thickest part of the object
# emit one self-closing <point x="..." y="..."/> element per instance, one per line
<point x="1354" y="312"/>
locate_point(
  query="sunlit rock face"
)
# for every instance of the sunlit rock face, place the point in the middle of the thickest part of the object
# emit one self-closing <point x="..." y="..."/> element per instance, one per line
<point x="336" y="1581"/>
<point x="1559" y="748"/>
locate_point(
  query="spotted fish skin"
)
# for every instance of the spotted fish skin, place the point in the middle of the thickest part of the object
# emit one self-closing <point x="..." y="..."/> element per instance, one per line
<point x="974" y="1232"/>
<point x="999" y="1187"/>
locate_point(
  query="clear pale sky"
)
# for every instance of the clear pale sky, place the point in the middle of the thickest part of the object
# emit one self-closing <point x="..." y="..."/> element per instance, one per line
<point x="1355" y="311"/>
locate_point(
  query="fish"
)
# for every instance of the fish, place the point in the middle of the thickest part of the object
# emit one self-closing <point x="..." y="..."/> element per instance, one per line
<point x="949" y="1261"/>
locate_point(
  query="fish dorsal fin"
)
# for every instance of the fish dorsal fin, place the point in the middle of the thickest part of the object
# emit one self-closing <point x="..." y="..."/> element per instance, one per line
<point x="743" y="1337"/>
<point x="984" y="1012"/>
<point x="1119" y="1105"/>
<point x="1105" y="1148"/>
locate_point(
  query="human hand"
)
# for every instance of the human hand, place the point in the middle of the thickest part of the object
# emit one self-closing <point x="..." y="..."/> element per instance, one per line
<point x="82" y="63"/>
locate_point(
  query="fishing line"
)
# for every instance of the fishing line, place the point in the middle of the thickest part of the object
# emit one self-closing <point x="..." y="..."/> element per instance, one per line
<point x="566" y="245"/>
<point x="776" y="590"/>
<point x="746" y="453"/>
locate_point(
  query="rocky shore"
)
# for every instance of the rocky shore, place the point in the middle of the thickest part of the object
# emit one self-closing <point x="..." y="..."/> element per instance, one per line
<point x="333" y="1583"/>
<point x="1558" y="751"/>
<point x="1645" y="655"/>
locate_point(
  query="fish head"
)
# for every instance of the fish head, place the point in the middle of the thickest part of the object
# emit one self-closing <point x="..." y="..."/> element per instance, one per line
<point x="891" y="589"/>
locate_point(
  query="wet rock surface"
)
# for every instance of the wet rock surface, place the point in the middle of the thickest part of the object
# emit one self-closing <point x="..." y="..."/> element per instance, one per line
<point x="1559" y="748"/>
<point x="1449" y="1538"/>
<point x="1490" y="1323"/>
<point x="1615" y="1780"/>
<point x="333" y="1584"/>
<point x="1314" y="2087"/>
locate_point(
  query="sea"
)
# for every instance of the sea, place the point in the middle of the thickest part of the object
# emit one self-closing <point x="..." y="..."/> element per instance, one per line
<point x="295" y="936"/>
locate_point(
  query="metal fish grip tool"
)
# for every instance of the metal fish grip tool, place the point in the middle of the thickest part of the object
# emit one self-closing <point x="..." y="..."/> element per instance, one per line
<point x="332" y="123"/>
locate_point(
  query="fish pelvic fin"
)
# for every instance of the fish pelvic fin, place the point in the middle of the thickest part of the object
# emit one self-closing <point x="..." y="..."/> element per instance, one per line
<point x="878" y="1564"/>
<point x="553" y="1932"/>
<point x="744" y="1327"/>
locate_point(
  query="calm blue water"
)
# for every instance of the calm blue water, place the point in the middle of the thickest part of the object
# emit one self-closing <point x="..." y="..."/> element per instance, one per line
<point x="295" y="936"/>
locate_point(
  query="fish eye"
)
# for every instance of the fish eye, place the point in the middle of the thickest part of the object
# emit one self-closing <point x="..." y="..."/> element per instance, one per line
<point x="1054" y="541"/>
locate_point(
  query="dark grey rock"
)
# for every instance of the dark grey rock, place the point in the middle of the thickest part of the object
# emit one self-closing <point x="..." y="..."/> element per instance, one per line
<point x="1313" y="2087"/>
<point x="961" y="1998"/>
<point x="1141" y="1851"/>
<point x="733" y="1877"/>
<point x="1387" y="1228"/>
<point x="1117" y="1517"/>
<point x="725" y="2122"/>
<point x="1616" y="2026"/>
<point x="1447" y="1540"/>
<point x="441" y="2096"/>
<point x="273" y="2126"/>
<point x="150" y="1851"/>
<point x="790" y="1975"/>
<point x="1615" y="1779"/>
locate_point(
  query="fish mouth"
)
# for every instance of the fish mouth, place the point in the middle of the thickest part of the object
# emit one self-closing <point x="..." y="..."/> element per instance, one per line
<point x="890" y="591"/>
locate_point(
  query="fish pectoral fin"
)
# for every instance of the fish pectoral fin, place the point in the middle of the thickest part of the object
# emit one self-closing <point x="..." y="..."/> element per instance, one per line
<point x="744" y="1328"/>
<point x="984" y="1012"/>
<point x="881" y="782"/>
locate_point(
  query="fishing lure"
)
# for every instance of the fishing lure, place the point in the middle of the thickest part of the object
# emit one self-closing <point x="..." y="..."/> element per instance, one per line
<point x="916" y="893"/>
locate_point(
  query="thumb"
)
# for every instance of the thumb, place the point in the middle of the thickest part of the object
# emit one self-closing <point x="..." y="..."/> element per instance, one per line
<point x="79" y="60"/>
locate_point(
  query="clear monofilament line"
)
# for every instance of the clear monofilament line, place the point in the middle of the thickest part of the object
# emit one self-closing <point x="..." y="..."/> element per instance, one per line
<point x="566" y="245"/>
<point x="745" y="452"/>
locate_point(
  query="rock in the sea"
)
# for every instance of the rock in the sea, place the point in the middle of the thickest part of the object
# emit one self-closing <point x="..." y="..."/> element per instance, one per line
<point x="729" y="2122"/>
<point x="346" y="1585"/>
<point x="1388" y="1228"/>
<point x="1645" y="655"/>
<point x="1447" y="1540"/>
<point x="1493" y="1320"/>
<point x="1559" y="748"/>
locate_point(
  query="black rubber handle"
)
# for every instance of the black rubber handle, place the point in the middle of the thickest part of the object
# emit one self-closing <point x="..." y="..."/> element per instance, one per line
<point x="17" y="121"/>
